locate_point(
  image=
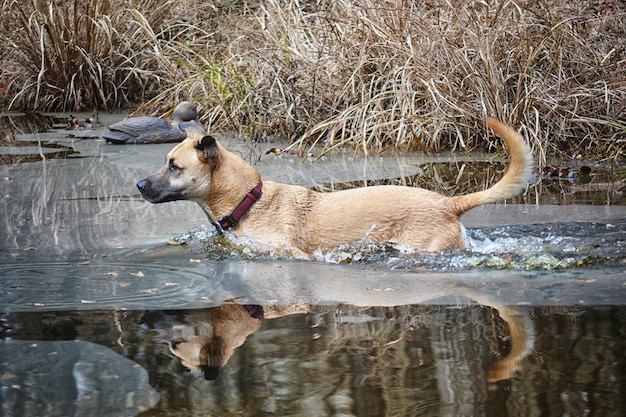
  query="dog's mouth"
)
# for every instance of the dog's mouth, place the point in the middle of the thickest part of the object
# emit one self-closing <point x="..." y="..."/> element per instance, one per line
<point x="154" y="193"/>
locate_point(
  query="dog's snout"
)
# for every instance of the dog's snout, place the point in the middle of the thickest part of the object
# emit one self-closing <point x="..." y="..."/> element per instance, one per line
<point x="142" y="185"/>
<point x="156" y="191"/>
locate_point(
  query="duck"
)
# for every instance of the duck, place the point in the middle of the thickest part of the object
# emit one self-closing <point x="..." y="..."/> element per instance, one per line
<point x="149" y="129"/>
<point x="80" y="123"/>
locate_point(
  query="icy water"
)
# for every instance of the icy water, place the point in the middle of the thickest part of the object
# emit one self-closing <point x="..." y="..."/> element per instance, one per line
<point x="114" y="307"/>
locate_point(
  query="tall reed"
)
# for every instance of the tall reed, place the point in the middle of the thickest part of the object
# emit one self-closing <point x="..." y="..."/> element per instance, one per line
<point x="79" y="55"/>
<point x="371" y="75"/>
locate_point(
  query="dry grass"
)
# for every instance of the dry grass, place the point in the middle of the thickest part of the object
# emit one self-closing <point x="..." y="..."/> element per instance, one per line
<point x="372" y="74"/>
<point x="79" y="55"/>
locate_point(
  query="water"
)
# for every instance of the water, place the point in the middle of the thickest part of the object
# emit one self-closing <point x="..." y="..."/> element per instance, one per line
<point x="419" y="359"/>
<point x="101" y="316"/>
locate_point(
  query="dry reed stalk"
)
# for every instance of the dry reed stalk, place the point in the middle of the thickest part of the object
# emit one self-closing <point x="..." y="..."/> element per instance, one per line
<point x="79" y="55"/>
<point x="371" y="75"/>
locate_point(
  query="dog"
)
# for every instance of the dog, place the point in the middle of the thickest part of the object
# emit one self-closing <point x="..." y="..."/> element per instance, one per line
<point x="293" y="221"/>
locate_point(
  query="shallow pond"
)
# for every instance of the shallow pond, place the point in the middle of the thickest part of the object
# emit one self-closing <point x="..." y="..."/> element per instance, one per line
<point x="112" y="306"/>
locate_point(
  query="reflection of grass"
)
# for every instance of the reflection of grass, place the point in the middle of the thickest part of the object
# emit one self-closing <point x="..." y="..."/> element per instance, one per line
<point x="374" y="75"/>
<point x="446" y="178"/>
<point x="382" y="340"/>
<point x="605" y="186"/>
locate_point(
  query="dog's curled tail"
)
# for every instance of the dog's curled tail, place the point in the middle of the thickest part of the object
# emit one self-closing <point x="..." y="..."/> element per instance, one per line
<point x="515" y="178"/>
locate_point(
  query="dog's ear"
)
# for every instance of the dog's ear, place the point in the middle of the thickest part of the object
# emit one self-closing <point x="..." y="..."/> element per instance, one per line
<point x="208" y="150"/>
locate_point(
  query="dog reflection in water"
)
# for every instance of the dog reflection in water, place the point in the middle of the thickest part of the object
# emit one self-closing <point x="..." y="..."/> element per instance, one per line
<point x="521" y="337"/>
<point x="204" y="340"/>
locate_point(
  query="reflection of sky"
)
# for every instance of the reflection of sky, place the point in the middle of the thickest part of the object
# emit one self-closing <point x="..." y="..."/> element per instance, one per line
<point x="172" y="281"/>
<point x="70" y="377"/>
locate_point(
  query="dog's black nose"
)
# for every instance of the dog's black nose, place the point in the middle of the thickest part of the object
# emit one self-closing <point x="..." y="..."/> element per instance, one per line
<point x="142" y="185"/>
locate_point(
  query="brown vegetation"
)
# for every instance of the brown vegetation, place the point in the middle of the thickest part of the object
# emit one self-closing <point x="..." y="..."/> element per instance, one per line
<point x="371" y="74"/>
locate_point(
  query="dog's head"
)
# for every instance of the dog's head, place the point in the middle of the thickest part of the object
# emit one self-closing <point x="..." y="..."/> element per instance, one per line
<point x="201" y="354"/>
<point x="186" y="174"/>
<point x="205" y="339"/>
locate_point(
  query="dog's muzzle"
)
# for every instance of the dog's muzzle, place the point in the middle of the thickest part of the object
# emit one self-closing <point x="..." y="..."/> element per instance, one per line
<point x="157" y="193"/>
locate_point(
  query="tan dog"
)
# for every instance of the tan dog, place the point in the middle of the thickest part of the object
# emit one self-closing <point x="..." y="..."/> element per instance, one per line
<point x="295" y="221"/>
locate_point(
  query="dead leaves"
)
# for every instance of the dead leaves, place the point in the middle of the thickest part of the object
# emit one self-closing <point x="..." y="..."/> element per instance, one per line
<point x="116" y="274"/>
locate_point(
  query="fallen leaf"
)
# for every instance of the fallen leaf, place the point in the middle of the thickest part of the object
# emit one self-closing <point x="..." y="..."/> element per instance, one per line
<point x="113" y="274"/>
<point x="138" y="274"/>
<point x="195" y="260"/>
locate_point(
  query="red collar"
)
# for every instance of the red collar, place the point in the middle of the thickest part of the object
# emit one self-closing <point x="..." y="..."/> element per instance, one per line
<point x="233" y="218"/>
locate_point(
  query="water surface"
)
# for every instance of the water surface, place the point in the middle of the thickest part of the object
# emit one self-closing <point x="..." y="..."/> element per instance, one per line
<point x="113" y="306"/>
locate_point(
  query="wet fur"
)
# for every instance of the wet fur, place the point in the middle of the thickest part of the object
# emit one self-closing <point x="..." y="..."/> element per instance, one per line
<point x="295" y="221"/>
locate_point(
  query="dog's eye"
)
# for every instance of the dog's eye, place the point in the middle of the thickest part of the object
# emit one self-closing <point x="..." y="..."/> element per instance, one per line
<point x="173" y="166"/>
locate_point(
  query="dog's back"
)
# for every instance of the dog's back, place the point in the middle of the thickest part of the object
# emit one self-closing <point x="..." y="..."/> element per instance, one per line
<point x="417" y="217"/>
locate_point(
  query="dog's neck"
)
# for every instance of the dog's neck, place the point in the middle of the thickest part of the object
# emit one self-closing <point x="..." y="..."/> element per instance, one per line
<point x="231" y="219"/>
<point x="235" y="187"/>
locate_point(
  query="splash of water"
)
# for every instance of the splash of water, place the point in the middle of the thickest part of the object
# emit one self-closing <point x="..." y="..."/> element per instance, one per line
<point x="519" y="247"/>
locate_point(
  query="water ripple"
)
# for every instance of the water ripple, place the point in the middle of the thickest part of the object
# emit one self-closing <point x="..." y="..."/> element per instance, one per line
<point x="58" y="286"/>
